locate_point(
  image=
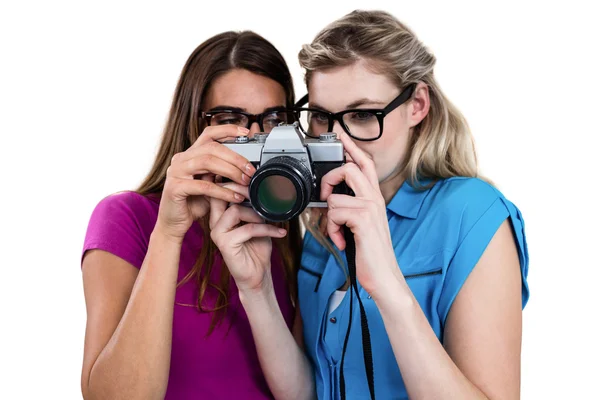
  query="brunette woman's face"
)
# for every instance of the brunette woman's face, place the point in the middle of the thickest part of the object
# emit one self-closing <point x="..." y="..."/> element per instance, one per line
<point x="242" y="90"/>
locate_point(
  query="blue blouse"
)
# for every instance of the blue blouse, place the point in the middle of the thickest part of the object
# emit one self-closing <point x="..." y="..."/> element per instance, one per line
<point x="438" y="235"/>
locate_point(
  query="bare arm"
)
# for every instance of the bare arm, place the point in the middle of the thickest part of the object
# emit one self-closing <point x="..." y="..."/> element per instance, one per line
<point x="482" y="339"/>
<point x="484" y="326"/>
<point x="129" y="327"/>
<point x="246" y="250"/>
<point x="281" y="353"/>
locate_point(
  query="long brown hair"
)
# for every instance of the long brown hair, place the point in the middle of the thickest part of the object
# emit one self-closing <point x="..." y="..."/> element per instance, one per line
<point x="211" y="59"/>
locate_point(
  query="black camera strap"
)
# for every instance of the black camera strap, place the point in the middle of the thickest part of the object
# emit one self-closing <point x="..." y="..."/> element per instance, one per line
<point x="366" y="336"/>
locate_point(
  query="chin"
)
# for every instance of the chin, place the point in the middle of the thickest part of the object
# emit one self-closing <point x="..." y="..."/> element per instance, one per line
<point x="389" y="175"/>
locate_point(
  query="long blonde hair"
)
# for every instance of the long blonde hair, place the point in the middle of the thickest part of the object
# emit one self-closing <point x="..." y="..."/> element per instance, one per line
<point x="441" y="145"/>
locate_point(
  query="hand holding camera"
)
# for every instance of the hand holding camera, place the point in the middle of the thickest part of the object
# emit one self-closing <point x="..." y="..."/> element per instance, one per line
<point x="365" y="214"/>
<point x="244" y="240"/>
<point x="190" y="180"/>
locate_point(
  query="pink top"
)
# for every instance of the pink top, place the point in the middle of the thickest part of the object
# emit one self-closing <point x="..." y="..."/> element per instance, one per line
<point x="223" y="365"/>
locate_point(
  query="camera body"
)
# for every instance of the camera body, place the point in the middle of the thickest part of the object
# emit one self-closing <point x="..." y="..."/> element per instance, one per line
<point x="289" y="168"/>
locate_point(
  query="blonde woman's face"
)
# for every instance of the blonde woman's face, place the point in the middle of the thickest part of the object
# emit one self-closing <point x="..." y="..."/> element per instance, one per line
<point x="356" y="87"/>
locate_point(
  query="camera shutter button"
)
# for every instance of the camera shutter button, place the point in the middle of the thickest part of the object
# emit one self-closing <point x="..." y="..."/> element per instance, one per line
<point x="241" y="139"/>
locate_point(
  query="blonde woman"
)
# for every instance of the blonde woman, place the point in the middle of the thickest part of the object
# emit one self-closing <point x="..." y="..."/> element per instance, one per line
<point x="441" y="257"/>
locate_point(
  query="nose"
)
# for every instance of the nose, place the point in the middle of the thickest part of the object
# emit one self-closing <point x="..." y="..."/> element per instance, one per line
<point x="254" y="129"/>
<point x="337" y="129"/>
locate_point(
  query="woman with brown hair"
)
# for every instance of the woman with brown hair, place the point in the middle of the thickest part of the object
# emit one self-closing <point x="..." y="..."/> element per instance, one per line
<point x="165" y="318"/>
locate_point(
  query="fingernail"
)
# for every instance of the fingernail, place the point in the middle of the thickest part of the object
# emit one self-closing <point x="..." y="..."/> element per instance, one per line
<point x="245" y="178"/>
<point x="238" y="196"/>
<point x="242" y="130"/>
<point x="250" y="169"/>
<point x="282" y="231"/>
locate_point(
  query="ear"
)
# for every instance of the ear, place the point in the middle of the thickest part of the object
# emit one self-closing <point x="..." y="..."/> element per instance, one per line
<point x="419" y="105"/>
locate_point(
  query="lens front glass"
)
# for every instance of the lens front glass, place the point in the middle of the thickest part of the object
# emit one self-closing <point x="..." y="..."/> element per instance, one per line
<point x="277" y="194"/>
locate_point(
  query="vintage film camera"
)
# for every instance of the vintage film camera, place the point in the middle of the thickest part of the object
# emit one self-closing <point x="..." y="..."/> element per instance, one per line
<point x="289" y="168"/>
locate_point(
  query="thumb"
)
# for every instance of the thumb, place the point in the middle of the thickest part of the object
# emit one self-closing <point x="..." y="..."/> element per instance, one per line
<point x="217" y="208"/>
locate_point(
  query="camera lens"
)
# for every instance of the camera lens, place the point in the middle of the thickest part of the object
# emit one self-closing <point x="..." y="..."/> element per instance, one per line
<point x="281" y="188"/>
<point x="277" y="194"/>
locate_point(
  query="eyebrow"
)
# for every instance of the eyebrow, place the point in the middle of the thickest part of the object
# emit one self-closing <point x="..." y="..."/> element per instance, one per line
<point x="354" y="104"/>
<point x="238" y="109"/>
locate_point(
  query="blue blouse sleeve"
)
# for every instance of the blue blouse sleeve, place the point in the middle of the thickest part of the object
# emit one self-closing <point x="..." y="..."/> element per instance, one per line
<point x="479" y="226"/>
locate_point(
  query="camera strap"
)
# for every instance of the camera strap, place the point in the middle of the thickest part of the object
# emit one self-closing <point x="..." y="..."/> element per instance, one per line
<point x="366" y="336"/>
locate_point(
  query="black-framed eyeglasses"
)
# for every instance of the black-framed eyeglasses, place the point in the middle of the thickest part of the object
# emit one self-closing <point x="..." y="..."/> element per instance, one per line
<point x="365" y="124"/>
<point x="266" y="120"/>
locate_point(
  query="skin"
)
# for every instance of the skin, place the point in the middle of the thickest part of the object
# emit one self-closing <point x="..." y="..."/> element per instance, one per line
<point x="129" y="311"/>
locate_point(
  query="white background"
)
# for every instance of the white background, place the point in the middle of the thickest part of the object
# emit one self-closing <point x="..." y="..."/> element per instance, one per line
<point x="85" y="89"/>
